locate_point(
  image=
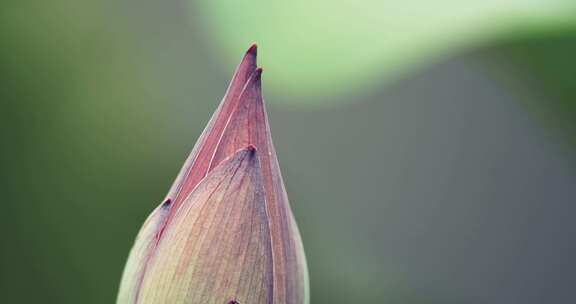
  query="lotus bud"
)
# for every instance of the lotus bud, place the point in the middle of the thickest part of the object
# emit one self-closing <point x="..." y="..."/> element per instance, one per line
<point x="225" y="233"/>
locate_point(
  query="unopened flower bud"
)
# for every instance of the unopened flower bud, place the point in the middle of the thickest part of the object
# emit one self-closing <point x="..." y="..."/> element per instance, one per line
<point x="225" y="232"/>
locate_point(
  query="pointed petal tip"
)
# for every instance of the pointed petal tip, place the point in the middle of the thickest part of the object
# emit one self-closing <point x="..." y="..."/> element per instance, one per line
<point x="251" y="149"/>
<point x="167" y="203"/>
<point x="258" y="76"/>
<point x="253" y="50"/>
<point x="249" y="152"/>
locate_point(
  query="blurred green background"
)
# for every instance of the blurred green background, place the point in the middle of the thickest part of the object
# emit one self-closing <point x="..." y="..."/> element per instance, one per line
<point x="428" y="148"/>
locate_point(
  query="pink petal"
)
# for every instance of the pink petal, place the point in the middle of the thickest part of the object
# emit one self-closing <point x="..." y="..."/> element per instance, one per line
<point x="217" y="247"/>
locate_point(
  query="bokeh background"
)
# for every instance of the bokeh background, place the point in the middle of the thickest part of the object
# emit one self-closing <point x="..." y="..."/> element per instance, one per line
<point x="428" y="148"/>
